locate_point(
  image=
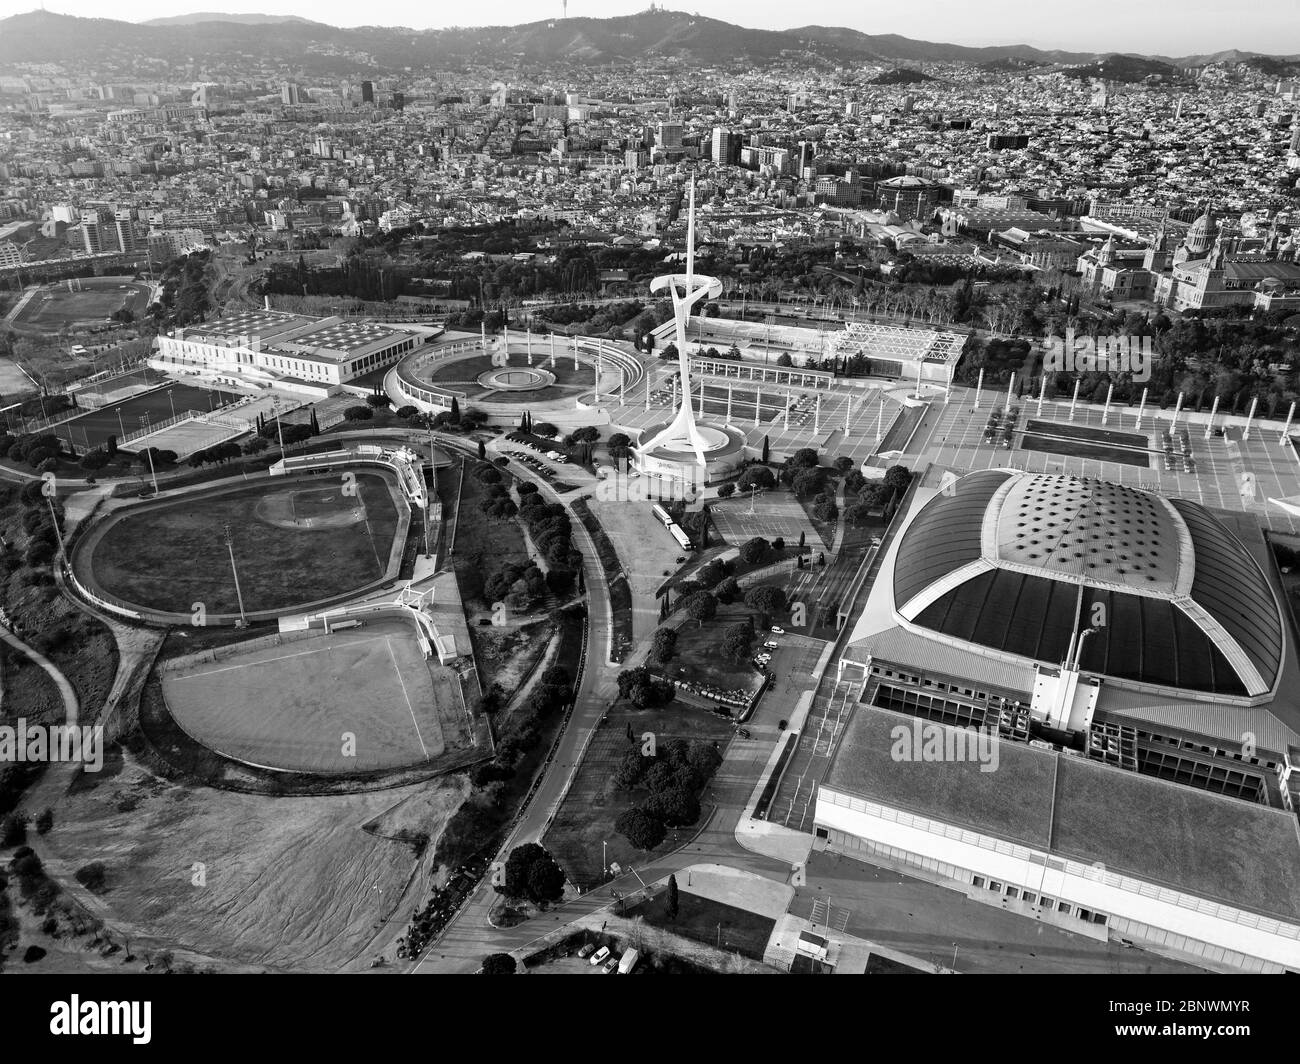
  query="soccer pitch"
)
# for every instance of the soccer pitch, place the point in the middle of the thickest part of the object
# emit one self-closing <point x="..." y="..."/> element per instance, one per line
<point x="360" y="700"/>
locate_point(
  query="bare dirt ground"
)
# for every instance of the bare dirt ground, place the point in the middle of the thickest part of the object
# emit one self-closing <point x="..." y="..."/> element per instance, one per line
<point x="283" y="883"/>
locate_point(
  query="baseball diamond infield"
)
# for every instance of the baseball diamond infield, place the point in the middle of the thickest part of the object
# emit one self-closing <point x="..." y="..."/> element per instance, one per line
<point x="359" y="700"/>
<point x="298" y="541"/>
<point x="82" y="301"/>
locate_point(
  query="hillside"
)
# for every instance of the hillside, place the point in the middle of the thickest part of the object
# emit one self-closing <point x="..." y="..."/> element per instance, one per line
<point x="1126" y="68"/>
<point x="312" y="47"/>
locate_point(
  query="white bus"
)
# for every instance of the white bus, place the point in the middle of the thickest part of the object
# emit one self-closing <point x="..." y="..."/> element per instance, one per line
<point x="663" y="516"/>
<point x="683" y="540"/>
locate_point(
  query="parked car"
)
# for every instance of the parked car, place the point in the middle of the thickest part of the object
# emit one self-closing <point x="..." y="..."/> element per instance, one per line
<point x="587" y="950"/>
<point x="600" y="956"/>
<point x="777" y="631"/>
<point x="610" y="966"/>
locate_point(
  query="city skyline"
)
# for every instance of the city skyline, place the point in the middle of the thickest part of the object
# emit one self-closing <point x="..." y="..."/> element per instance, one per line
<point x="1104" y="26"/>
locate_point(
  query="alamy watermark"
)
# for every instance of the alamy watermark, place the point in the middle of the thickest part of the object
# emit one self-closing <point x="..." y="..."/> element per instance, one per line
<point x="40" y="743"/>
<point x="1099" y="354"/>
<point x="926" y="741"/>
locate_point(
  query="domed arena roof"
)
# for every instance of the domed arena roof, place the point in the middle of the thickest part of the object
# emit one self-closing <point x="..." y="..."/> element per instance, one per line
<point x="1018" y="563"/>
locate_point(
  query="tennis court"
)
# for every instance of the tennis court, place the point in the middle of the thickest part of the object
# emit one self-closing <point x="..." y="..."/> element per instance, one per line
<point x="153" y="407"/>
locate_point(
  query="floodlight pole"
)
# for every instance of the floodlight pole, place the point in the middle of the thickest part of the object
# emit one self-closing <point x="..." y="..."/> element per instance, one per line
<point x="229" y="536"/>
<point x="279" y="428"/>
<point x="144" y="421"/>
<point x="54" y="520"/>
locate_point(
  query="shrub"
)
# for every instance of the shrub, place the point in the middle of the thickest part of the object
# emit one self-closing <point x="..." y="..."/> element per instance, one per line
<point x="358" y="413"/>
<point x="726" y="491"/>
<point x="93" y="876"/>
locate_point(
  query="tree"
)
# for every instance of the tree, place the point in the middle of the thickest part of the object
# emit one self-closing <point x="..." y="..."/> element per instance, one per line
<point x="517" y="866"/>
<point x="630" y="769"/>
<point x="545" y="880"/>
<point x="642" y="829"/>
<point x="758" y="476"/>
<point x="753" y="551"/>
<point x="765" y="599"/>
<point x="532" y="873"/>
<point x="726" y="491"/>
<point x="701" y="607"/>
<point x="766" y="450"/>
<point x="711" y="574"/>
<point x="675" y="806"/>
<point x="826" y="509"/>
<point x="673" y="899"/>
<point x="499" y="964"/>
<point x="664" y="645"/>
<point x="455" y="411"/>
<point x="808" y="482"/>
<point x="898" y="478"/>
<point x="358" y="413"/>
<point x="804" y="458"/>
<point x="728" y="591"/>
<point x="737" y="639"/>
<point x="545" y="428"/>
<point x="857" y="514"/>
<point x="44" y="820"/>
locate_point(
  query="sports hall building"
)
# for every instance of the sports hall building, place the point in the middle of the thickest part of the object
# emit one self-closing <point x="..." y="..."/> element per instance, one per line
<point x="291" y="352"/>
<point x="1135" y="658"/>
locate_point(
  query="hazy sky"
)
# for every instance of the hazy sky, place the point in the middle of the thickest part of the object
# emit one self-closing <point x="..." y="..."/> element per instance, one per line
<point x="1166" y="27"/>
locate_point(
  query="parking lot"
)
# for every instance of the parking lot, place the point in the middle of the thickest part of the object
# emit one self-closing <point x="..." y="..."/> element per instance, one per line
<point x="1225" y="471"/>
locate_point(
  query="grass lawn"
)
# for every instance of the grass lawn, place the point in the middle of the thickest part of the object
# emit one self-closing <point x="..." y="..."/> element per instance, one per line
<point x="169" y="557"/>
<point x="482" y="545"/>
<point x="582" y="834"/>
<point x="620" y="594"/>
<point x="463" y="375"/>
<point x="711" y="922"/>
<point x="699" y="651"/>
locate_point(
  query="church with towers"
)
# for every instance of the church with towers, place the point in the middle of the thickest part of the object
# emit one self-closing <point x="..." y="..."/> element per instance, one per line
<point x="1212" y="267"/>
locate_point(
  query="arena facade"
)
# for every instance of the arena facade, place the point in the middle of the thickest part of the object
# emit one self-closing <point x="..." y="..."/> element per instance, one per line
<point x="1133" y="659"/>
<point x="290" y="352"/>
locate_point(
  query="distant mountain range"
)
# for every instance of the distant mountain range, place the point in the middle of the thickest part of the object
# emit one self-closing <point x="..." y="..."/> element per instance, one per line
<point x="216" y="16"/>
<point x="315" y="48"/>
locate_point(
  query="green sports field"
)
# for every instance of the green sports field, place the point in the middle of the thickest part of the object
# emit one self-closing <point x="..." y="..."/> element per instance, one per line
<point x="358" y="700"/>
<point x="296" y="541"/>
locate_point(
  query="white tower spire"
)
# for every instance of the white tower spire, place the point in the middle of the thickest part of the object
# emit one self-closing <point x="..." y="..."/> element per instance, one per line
<point x="686" y="290"/>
